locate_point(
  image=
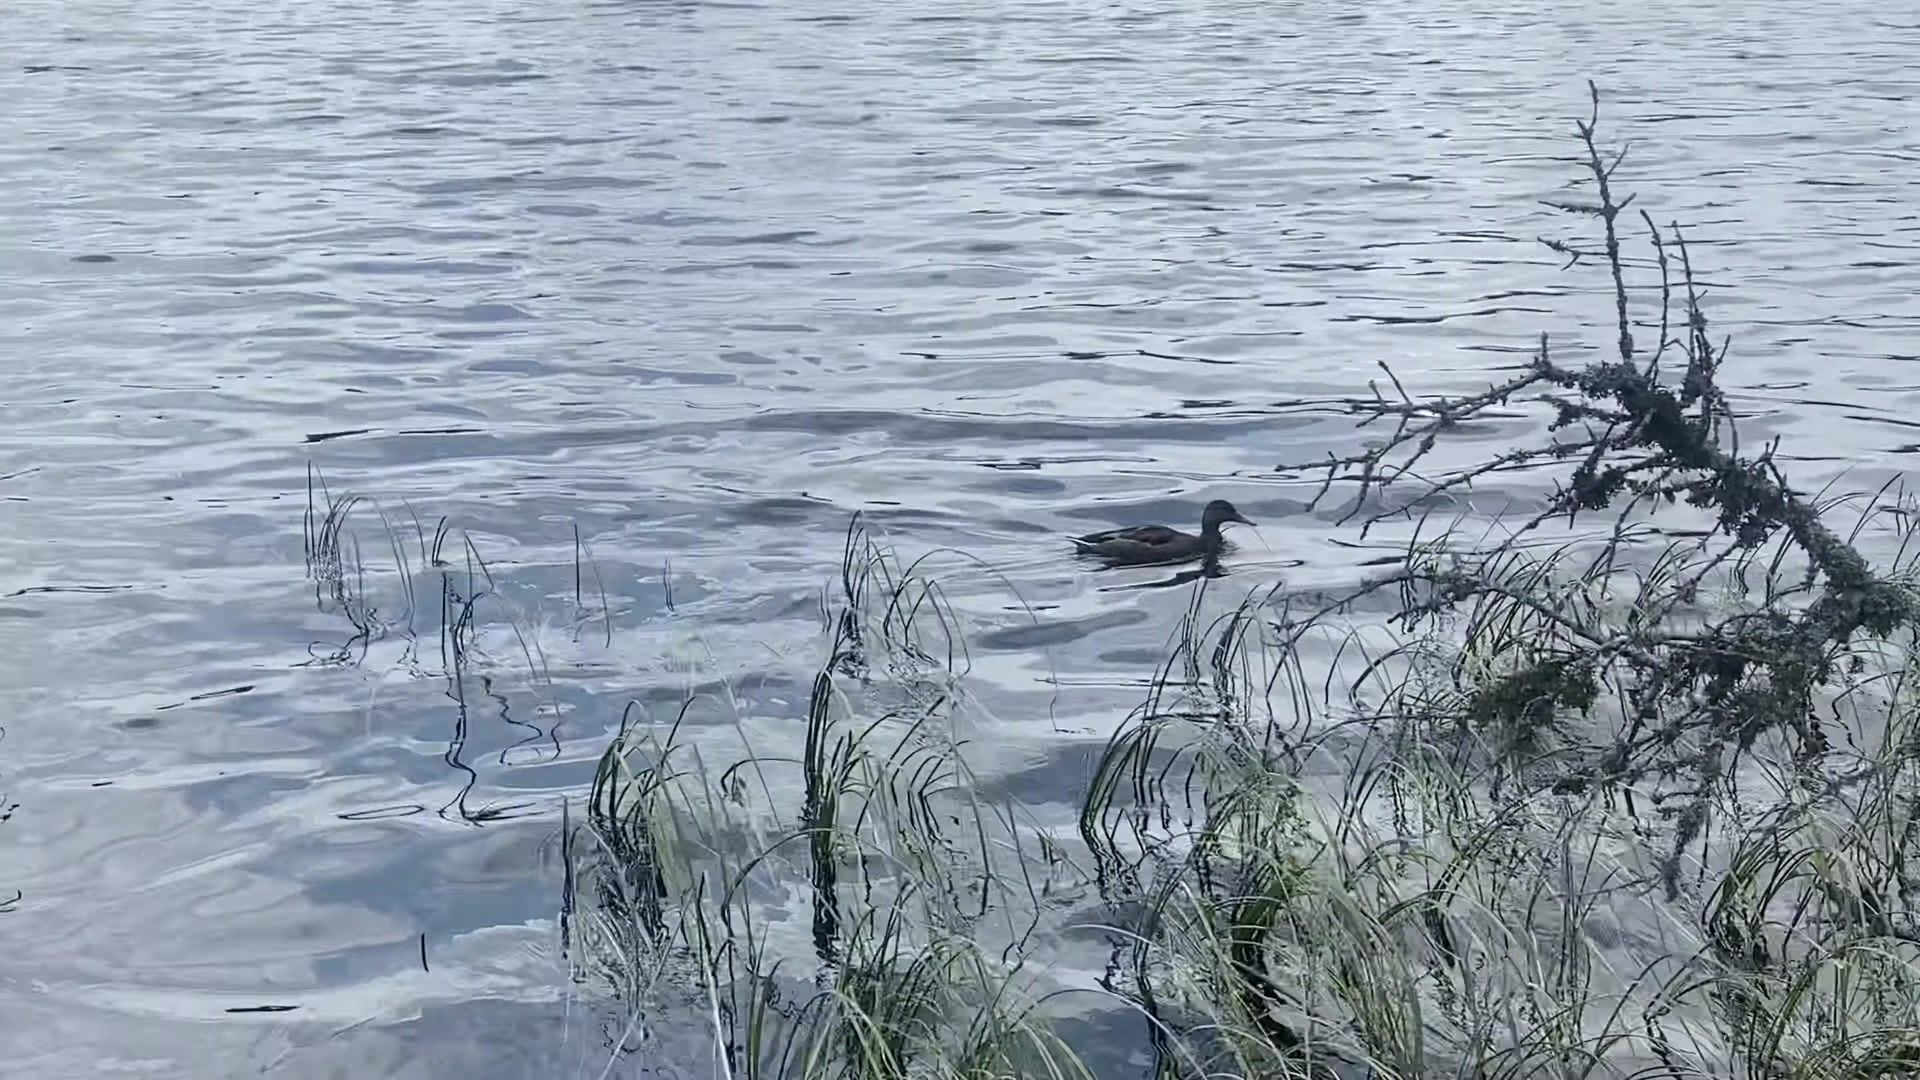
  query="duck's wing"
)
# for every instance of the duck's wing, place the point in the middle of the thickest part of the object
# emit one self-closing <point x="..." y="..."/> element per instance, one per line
<point x="1147" y="535"/>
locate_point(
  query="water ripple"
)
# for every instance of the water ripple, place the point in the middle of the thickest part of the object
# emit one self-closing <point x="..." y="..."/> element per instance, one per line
<point x="705" y="278"/>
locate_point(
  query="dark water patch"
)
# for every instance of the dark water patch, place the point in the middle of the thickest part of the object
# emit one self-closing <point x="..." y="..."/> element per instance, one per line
<point x="789" y="237"/>
<point x="425" y="267"/>
<point x="1056" y="632"/>
<point x="422" y="131"/>
<point x="382" y="813"/>
<point x="36" y="590"/>
<point x="328" y="436"/>
<point x="1059" y="777"/>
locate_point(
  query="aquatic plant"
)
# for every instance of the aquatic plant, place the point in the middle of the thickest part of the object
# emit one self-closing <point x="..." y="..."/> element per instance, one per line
<point x="9" y="898"/>
<point x="380" y="603"/>
<point x="687" y="884"/>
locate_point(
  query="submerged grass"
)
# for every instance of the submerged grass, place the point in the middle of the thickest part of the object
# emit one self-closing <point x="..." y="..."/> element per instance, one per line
<point x="379" y="600"/>
<point x="9" y="898"/>
<point x="1635" y="803"/>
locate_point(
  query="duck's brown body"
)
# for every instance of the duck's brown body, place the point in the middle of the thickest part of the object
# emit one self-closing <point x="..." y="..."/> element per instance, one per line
<point x="1151" y="545"/>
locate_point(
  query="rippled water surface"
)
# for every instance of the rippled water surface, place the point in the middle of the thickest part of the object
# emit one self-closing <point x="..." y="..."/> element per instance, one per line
<point x="704" y="279"/>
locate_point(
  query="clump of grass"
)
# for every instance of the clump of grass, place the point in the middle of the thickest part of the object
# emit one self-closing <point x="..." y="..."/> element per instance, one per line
<point x="339" y="571"/>
<point x="690" y="884"/>
<point x="381" y="601"/>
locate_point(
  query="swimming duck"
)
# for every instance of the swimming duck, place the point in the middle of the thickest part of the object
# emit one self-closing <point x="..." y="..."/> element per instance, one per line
<point x="1148" y="545"/>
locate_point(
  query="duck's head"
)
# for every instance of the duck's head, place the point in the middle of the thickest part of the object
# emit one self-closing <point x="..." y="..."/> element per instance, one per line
<point x="1219" y="512"/>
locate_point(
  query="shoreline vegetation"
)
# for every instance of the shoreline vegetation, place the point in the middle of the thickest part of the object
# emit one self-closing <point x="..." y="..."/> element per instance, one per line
<point x="1603" y="796"/>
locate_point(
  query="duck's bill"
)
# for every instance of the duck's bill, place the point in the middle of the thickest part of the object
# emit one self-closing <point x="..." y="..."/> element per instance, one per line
<point x="1242" y="519"/>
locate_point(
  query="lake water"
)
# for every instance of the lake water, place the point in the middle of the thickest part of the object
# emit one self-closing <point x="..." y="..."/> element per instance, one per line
<point x="702" y="280"/>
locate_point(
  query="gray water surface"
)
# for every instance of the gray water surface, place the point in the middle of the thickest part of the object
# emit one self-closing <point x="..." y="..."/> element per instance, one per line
<point x="703" y="280"/>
